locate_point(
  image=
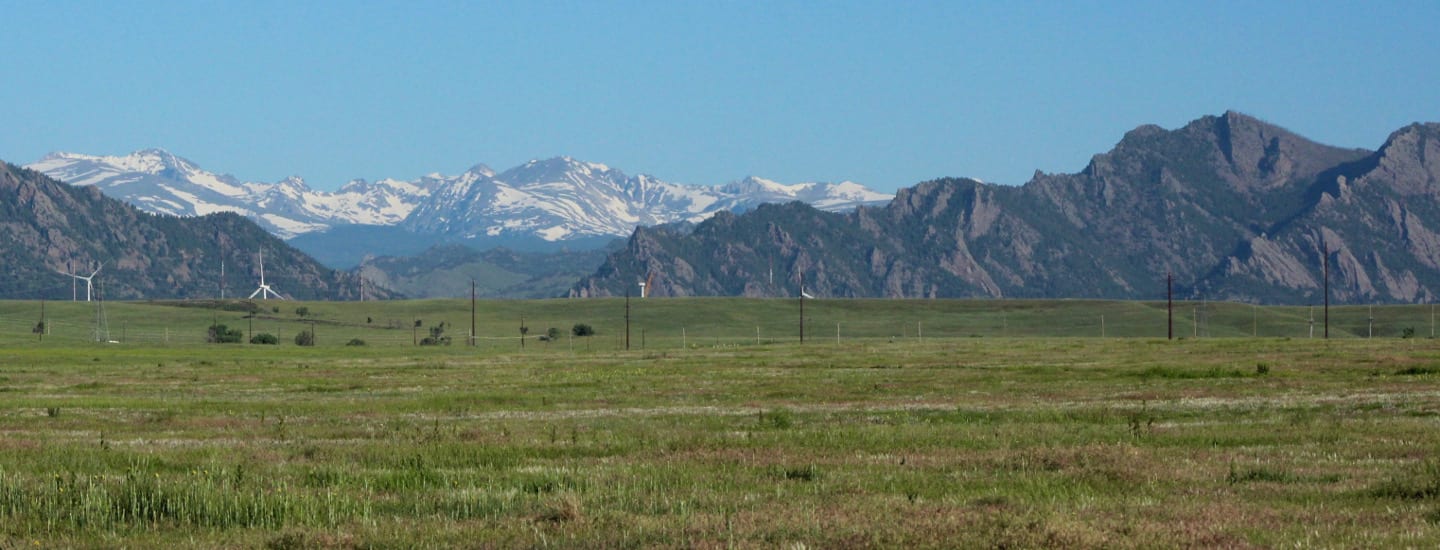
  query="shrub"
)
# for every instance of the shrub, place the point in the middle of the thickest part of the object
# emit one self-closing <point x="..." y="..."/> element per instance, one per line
<point x="302" y="311"/>
<point x="552" y="333"/>
<point x="582" y="329"/>
<point x="305" y="338"/>
<point x="221" y="334"/>
<point x="265" y="338"/>
<point x="437" y="337"/>
<point x="355" y="342"/>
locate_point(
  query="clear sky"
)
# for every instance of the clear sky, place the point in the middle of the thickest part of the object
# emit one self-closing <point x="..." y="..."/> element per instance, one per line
<point x="886" y="93"/>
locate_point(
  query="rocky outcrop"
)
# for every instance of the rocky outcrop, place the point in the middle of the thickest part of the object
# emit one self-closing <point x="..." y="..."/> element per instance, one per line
<point x="1234" y="207"/>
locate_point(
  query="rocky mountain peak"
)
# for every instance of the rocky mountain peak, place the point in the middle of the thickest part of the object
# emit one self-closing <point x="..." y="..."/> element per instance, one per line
<point x="560" y="169"/>
<point x="1231" y="205"/>
<point x="1409" y="162"/>
<point x="481" y="170"/>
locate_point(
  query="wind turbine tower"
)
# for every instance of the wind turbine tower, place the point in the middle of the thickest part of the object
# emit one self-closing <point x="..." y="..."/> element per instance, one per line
<point x="265" y="292"/>
<point x="102" y="323"/>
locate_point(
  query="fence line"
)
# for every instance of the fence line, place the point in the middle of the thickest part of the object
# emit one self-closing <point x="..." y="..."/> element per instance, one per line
<point x="743" y="323"/>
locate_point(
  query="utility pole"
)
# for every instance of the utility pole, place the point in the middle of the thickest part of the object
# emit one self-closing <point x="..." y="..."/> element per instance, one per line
<point x="1102" y="326"/>
<point x="222" y="279"/>
<point x="627" y="318"/>
<point x="472" y="313"/>
<point x="1170" y="305"/>
<point x="1372" y="321"/>
<point x="1325" y="262"/>
<point x="523" y="330"/>
<point x="802" y="307"/>
<point x="1254" y="320"/>
<point x="44" y="327"/>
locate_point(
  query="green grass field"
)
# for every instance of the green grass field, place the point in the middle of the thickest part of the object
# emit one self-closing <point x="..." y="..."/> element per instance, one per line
<point x="657" y="324"/>
<point x="925" y="424"/>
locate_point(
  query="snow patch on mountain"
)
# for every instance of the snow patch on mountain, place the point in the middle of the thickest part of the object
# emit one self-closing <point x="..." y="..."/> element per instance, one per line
<point x="553" y="199"/>
<point x="564" y="198"/>
<point x="160" y="182"/>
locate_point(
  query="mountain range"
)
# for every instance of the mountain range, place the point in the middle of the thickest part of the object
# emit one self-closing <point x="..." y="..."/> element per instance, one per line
<point x="1234" y="207"/>
<point x="50" y="228"/>
<point x="561" y="199"/>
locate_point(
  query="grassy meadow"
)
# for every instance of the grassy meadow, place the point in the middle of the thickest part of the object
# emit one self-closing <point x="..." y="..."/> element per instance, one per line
<point x="923" y="424"/>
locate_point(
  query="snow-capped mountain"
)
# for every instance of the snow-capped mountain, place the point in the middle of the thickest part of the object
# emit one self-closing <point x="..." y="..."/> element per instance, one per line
<point x="563" y="198"/>
<point x="157" y="181"/>
<point x="558" y="199"/>
<point x="845" y="195"/>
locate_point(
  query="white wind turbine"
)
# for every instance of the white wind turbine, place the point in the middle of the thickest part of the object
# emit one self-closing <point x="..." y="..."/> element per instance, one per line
<point x="89" y="281"/>
<point x="264" y="291"/>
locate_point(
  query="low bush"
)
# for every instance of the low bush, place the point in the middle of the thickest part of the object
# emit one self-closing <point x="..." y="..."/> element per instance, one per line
<point x="221" y="334"/>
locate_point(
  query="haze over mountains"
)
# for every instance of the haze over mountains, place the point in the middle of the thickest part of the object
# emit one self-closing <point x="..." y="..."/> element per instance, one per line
<point x="1235" y="207"/>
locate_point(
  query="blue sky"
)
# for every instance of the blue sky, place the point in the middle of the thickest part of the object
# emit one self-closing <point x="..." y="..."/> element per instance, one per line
<point x="884" y="93"/>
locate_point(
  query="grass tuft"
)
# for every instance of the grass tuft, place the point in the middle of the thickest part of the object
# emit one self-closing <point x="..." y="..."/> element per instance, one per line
<point x="777" y="419"/>
<point x="564" y="508"/>
<point x="1419" y="483"/>
<point x="1418" y="371"/>
<point x="803" y="473"/>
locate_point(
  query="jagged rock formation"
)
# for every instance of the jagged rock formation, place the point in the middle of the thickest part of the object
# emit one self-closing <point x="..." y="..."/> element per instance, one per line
<point x="1235" y="207"/>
